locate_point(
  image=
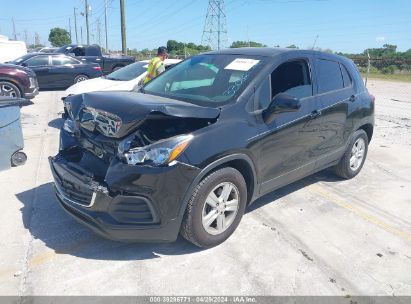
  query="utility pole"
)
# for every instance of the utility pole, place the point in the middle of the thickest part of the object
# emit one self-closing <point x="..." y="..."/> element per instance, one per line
<point x="105" y="23"/>
<point x="219" y="26"/>
<point x="75" y="24"/>
<point x="36" y="39"/>
<point x="215" y="26"/>
<point x="123" y="28"/>
<point x="248" y="38"/>
<point x="81" y="34"/>
<point x="87" y="29"/>
<point x="25" y="37"/>
<point x="71" y="37"/>
<point x="14" y="29"/>
<point x="98" y="32"/>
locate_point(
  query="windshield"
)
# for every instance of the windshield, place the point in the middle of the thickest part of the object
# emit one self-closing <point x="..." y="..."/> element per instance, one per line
<point x="21" y="59"/>
<point x="129" y="72"/>
<point x="207" y="80"/>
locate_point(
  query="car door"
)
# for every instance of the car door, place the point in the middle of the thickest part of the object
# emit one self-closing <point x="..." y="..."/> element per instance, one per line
<point x="63" y="69"/>
<point x="40" y="64"/>
<point x="336" y="93"/>
<point x="288" y="145"/>
<point x="93" y="55"/>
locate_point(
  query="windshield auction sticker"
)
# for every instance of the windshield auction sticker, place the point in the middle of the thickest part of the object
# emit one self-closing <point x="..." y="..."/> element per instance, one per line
<point x="241" y="64"/>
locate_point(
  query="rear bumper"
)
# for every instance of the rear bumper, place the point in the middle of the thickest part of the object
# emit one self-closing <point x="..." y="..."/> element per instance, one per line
<point x="131" y="204"/>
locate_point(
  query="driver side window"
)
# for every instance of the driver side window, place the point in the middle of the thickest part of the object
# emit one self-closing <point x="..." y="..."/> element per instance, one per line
<point x="292" y="78"/>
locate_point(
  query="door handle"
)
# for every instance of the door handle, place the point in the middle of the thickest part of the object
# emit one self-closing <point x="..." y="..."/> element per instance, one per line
<point x="314" y="114"/>
<point x="353" y="98"/>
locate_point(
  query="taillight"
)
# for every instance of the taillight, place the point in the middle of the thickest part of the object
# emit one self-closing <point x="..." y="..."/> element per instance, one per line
<point x="372" y="98"/>
<point x="97" y="68"/>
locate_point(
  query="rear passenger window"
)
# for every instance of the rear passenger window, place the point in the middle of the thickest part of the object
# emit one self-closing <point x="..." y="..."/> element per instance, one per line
<point x="38" y="61"/>
<point x="62" y="60"/>
<point x="92" y="51"/>
<point x="79" y="51"/>
<point x="293" y="78"/>
<point x="346" y="76"/>
<point x="329" y="76"/>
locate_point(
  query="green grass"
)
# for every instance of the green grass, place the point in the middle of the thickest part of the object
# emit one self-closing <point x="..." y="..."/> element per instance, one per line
<point x="392" y="77"/>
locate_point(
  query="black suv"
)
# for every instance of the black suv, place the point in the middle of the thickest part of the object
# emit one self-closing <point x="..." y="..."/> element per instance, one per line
<point x="196" y="145"/>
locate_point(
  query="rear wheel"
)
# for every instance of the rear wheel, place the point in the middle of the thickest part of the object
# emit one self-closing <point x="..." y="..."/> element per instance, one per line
<point x="80" y="78"/>
<point x="9" y="89"/>
<point x="354" y="157"/>
<point x="215" y="208"/>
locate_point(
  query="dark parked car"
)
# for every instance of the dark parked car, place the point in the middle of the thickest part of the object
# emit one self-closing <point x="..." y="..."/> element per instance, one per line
<point x="206" y="138"/>
<point x="17" y="81"/>
<point x="57" y="70"/>
<point x="92" y="53"/>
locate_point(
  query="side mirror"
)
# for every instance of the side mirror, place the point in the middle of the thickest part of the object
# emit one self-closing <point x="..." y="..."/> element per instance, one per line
<point x="24" y="64"/>
<point x="281" y="103"/>
<point x="72" y="54"/>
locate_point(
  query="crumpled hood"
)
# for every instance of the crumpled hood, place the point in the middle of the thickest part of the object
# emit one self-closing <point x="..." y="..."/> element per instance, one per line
<point x="116" y="114"/>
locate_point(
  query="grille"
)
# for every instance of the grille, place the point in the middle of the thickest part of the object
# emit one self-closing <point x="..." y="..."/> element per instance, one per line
<point x="136" y="210"/>
<point x="76" y="193"/>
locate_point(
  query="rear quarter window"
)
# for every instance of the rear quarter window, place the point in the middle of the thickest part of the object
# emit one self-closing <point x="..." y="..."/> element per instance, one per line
<point x="329" y="76"/>
<point x="346" y="76"/>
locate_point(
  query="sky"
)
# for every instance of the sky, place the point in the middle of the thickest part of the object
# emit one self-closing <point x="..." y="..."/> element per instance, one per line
<point x="341" y="25"/>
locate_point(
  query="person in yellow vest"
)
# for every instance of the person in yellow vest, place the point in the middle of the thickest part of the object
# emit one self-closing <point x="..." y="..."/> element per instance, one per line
<point x="156" y="65"/>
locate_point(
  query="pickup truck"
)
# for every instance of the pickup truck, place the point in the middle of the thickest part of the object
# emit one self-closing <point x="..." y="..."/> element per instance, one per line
<point x="92" y="53"/>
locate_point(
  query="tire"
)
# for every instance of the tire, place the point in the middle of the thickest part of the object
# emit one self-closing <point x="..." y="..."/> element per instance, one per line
<point x="345" y="167"/>
<point x="9" y="89"/>
<point x="201" y="234"/>
<point x="80" y="78"/>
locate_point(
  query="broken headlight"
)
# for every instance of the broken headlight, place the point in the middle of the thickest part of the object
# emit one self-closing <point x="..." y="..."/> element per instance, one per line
<point x="69" y="126"/>
<point x="159" y="153"/>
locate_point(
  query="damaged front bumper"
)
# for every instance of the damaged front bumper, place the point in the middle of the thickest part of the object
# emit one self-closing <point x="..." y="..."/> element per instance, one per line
<point x="131" y="203"/>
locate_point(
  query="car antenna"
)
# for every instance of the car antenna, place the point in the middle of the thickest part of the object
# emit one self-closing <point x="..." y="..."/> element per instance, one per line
<point x="368" y="68"/>
<point x="315" y="41"/>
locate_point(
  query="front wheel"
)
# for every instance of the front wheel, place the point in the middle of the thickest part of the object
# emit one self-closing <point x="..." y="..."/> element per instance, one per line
<point x="80" y="78"/>
<point x="215" y="208"/>
<point x="8" y="89"/>
<point x="354" y="157"/>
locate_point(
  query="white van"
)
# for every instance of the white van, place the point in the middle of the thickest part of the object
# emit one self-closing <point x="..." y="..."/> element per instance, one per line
<point x="10" y="50"/>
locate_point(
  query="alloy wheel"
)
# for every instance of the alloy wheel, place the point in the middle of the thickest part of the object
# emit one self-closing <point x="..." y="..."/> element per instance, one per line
<point x="7" y="90"/>
<point x="220" y="208"/>
<point x="357" y="154"/>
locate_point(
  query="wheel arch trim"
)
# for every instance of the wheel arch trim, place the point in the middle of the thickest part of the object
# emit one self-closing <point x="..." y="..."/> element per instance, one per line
<point x="213" y="165"/>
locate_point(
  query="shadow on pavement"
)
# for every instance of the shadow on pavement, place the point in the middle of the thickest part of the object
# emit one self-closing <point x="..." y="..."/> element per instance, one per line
<point x="325" y="175"/>
<point x="56" y="123"/>
<point x="48" y="222"/>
